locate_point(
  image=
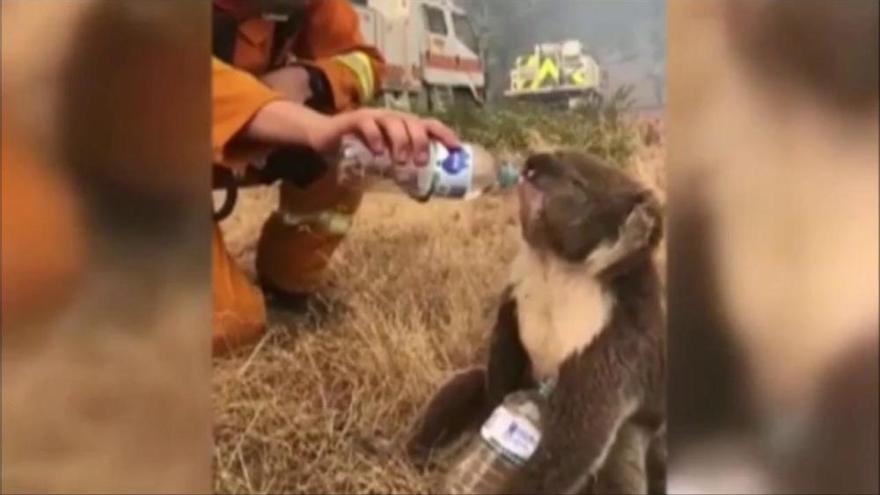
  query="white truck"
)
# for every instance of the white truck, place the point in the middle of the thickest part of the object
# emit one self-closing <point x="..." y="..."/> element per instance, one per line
<point x="430" y="48"/>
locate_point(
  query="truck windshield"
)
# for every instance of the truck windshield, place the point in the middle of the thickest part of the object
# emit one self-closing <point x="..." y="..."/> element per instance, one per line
<point x="465" y="32"/>
<point x="435" y="20"/>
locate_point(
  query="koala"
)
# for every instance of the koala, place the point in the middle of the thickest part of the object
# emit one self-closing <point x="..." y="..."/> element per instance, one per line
<point x="773" y="295"/>
<point x="583" y="308"/>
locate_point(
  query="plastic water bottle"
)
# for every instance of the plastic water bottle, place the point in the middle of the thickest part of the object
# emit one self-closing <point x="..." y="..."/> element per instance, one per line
<point x="463" y="173"/>
<point x="505" y="442"/>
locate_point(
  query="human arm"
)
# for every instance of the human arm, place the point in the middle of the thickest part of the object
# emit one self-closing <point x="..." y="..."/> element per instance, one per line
<point x="331" y="41"/>
<point x="248" y="114"/>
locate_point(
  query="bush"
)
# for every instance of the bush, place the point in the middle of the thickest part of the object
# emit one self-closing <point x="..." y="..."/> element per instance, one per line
<point x="516" y="127"/>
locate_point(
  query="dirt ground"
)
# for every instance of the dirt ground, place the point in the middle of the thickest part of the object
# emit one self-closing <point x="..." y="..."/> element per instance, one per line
<point x="414" y="289"/>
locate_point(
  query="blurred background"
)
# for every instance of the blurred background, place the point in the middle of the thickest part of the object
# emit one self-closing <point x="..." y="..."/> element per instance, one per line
<point x="105" y="301"/>
<point x="627" y="39"/>
<point x="773" y="246"/>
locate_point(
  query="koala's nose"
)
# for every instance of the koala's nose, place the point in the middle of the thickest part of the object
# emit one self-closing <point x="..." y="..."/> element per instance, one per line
<point x="530" y="173"/>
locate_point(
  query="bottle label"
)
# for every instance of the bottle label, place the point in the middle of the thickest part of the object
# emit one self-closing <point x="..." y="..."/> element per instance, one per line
<point x="448" y="173"/>
<point x="452" y="171"/>
<point x="514" y="436"/>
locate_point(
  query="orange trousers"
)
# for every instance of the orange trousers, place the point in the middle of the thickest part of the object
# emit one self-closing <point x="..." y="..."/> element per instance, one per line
<point x="298" y="240"/>
<point x="239" y="314"/>
<point x="294" y="250"/>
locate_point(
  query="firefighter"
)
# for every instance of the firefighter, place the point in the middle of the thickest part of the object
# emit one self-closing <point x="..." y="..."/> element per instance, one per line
<point x="310" y="52"/>
<point x="249" y="119"/>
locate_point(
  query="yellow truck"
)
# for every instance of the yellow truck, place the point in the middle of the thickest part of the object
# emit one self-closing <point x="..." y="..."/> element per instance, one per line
<point x="557" y="73"/>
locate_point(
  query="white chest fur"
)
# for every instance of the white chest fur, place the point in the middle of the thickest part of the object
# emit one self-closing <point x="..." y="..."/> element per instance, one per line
<point x="561" y="309"/>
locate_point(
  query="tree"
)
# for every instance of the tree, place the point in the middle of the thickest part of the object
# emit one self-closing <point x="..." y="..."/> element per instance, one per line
<point x="499" y="25"/>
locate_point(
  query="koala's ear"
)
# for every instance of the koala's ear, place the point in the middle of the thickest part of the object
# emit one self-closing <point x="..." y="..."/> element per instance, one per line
<point x="646" y="203"/>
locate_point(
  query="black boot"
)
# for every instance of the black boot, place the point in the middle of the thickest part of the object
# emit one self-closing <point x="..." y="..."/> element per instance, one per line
<point x="315" y="307"/>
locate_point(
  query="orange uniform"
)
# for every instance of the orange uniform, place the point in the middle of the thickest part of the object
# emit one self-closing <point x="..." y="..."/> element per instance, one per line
<point x="239" y="312"/>
<point x="293" y="250"/>
<point x="43" y="254"/>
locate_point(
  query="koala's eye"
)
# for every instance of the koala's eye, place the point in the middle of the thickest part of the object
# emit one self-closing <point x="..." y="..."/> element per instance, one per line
<point x="579" y="182"/>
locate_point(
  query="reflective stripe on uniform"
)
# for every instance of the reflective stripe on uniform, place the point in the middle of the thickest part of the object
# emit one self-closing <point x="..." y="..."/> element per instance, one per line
<point x="327" y="221"/>
<point x="359" y="63"/>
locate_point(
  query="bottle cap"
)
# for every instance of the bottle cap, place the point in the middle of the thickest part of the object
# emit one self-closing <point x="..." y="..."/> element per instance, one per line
<point x="508" y="175"/>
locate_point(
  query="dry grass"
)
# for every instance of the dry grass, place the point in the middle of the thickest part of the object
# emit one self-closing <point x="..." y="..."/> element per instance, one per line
<point x="298" y="412"/>
<point x="306" y="408"/>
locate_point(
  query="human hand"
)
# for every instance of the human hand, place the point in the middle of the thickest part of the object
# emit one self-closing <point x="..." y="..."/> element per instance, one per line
<point x="405" y="136"/>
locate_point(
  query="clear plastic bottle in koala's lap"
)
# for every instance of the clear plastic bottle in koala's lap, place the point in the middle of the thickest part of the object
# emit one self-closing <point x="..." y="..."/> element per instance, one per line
<point x="505" y="442"/>
<point x="463" y="173"/>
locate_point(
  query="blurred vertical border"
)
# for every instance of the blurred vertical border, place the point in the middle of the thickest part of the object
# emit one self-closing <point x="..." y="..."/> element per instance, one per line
<point x="105" y="231"/>
<point x="773" y="246"/>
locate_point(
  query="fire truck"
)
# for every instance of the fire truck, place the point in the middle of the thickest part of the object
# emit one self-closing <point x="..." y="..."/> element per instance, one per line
<point x="430" y="48"/>
<point x="560" y="73"/>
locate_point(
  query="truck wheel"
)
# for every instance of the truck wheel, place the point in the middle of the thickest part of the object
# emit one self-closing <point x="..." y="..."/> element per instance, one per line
<point x="591" y="101"/>
<point x="439" y="98"/>
<point x="422" y="103"/>
<point x="397" y="100"/>
<point x="383" y="101"/>
<point x="464" y="97"/>
<point x="594" y="100"/>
